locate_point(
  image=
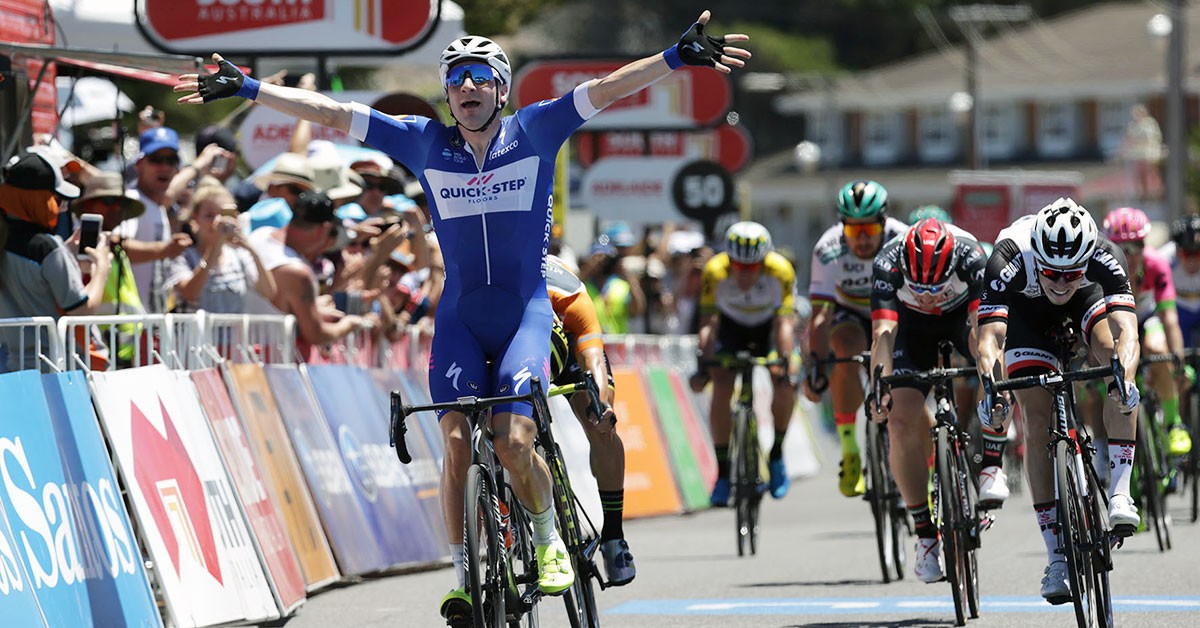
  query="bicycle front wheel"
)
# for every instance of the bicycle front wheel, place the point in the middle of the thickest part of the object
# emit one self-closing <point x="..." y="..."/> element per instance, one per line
<point x="580" y="599"/>
<point x="486" y="566"/>
<point x="1074" y="534"/>
<point x="950" y="520"/>
<point x="744" y="471"/>
<point x="1151" y="467"/>
<point x="877" y="497"/>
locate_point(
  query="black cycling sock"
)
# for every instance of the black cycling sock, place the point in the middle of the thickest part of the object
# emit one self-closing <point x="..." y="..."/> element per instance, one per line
<point x="613" y="505"/>
<point x="993" y="450"/>
<point x="777" y="447"/>
<point x="722" y="452"/>
<point x="922" y="522"/>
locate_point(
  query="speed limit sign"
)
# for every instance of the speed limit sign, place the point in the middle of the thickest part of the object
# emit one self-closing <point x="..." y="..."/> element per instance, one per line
<point x="703" y="190"/>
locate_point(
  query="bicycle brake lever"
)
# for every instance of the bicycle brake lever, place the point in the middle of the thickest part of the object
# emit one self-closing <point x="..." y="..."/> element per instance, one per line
<point x="1119" y="379"/>
<point x="593" y="396"/>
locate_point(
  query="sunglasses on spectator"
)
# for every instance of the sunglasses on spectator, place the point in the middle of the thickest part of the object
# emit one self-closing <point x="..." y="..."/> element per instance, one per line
<point x="110" y="201"/>
<point x="1068" y="275"/>
<point x="921" y="288"/>
<point x="853" y="230"/>
<point x="371" y="184"/>
<point x="480" y="74"/>
<point x="745" y="266"/>
<point x="163" y="160"/>
<point x="1189" y="252"/>
<point x="1133" y="247"/>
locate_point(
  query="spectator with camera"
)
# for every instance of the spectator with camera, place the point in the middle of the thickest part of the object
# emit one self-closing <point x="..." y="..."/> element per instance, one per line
<point x="215" y="273"/>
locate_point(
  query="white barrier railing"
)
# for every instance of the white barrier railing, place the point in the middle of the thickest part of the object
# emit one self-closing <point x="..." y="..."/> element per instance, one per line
<point x="113" y="341"/>
<point x="47" y="348"/>
<point x="261" y="338"/>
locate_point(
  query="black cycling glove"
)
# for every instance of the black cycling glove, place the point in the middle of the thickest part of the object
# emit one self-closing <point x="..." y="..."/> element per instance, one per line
<point x="695" y="48"/>
<point x="228" y="81"/>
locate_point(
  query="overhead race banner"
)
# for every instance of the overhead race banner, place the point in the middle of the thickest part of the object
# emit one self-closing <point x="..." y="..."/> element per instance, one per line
<point x="66" y="544"/>
<point x="274" y="455"/>
<point x="283" y="570"/>
<point x="182" y="498"/>
<point x="354" y="410"/>
<point x="349" y="531"/>
<point x="291" y="27"/>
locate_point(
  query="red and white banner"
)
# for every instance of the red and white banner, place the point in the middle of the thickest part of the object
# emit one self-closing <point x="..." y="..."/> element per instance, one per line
<point x="727" y="145"/>
<point x="283" y="27"/>
<point x="633" y="189"/>
<point x="194" y="529"/>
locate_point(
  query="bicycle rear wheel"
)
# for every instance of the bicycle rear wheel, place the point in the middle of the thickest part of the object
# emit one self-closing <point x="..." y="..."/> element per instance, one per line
<point x="1075" y="535"/>
<point x="950" y="520"/>
<point x="580" y="599"/>
<point x="1147" y="457"/>
<point x="877" y="497"/>
<point x="1098" y="530"/>
<point x="744" y="472"/>
<point x="487" y="571"/>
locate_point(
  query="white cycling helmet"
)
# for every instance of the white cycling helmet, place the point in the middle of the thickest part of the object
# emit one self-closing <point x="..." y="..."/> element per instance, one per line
<point x="479" y="48"/>
<point x="747" y="242"/>
<point x="1064" y="235"/>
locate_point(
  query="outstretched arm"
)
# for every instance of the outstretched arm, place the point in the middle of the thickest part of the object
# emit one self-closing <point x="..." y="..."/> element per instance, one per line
<point x="694" y="48"/>
<point x="298" y="103"/>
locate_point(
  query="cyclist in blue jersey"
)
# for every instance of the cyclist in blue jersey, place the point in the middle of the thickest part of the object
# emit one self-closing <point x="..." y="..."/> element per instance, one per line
<point x="488" y="183"/>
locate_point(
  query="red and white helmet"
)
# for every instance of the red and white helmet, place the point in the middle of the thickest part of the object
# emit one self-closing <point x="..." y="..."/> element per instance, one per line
<point x="478" y="48"/>
<point x="1126" y="224"/>
<point x="929" y="256"/>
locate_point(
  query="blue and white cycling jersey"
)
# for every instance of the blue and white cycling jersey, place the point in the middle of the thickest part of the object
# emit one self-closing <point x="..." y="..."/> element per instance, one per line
<point x="493" y="224"/>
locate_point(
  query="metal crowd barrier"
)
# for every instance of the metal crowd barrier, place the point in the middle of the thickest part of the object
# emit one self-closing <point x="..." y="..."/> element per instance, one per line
<point x="100" y="342"/>
<point x="47" y="351"/>
<point x="252" y="338"/>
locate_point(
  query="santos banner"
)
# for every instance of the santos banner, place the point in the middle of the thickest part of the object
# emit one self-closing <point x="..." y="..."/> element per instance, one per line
<point x="66" y="543"/>
<point x="195" y="532"/>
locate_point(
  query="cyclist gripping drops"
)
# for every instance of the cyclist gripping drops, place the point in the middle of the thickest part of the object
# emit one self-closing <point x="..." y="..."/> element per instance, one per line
<point x="495" y="314"/>
<point x="1045" y="269"/>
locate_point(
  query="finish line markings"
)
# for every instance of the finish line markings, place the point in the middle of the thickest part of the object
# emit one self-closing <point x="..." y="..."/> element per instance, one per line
<point x="828" y="606"/>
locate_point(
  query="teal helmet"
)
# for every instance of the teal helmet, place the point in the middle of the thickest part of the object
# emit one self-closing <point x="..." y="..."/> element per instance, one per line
<point x="862" y="199"/>
<point x="929" y="211"/>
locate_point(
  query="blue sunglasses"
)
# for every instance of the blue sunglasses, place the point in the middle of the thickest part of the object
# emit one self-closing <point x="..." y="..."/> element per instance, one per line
<point x="919" y="288"/>
<point x="479" y="73"/>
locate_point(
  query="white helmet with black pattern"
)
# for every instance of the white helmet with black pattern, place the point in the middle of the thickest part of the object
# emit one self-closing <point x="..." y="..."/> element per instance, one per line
<point x="1064" y="235"/>
<point x="478" y="48"/>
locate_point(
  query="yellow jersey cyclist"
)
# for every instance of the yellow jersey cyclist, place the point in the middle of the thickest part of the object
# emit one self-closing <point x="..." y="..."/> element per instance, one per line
<point x="1046" y="269"/>
<point x="840" y="289"/>
<point x="577" y="347"/>
<point x="746" y="304"/>
<point x="926" y="289"/>
<point x="1158" y="320"/>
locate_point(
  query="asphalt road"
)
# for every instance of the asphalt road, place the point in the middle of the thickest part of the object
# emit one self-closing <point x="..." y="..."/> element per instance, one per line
<point x="816" y="567"/>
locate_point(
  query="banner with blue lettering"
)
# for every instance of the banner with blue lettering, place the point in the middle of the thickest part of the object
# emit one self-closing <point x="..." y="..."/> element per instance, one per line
<point x="351" y="535"/>
<point x="426" y="465"/>
<point x="72" y="536"/>
<point x="180" y="492"/>
<point x="360" y="427"/>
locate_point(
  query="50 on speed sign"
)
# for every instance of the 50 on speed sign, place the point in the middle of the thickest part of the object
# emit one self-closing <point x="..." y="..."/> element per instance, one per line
<point x="703" y="190"/>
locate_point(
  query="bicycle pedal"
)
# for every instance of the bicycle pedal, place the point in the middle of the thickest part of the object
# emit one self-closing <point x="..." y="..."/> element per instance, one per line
<point x="1123" y="530"/>
<point x="985" y="522"/>
<point x="1116" y="542"/>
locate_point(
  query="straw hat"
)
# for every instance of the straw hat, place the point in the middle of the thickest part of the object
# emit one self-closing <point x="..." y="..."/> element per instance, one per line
<point x="289" y="168"/>
<point x="335" y="179"/>
<point x="110" y="185"/>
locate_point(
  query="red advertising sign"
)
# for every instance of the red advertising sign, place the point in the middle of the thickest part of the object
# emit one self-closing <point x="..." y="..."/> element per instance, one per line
<point x="688" y="97"/>
<point x="726" y="145"/>
<point x="984" y="207"/>
<point x="29" y="22"/>
<point x="287" y="27"/>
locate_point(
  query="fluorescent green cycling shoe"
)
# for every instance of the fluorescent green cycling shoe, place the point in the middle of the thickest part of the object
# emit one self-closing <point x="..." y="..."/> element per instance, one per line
<point x="456" y="608"/>
<point x="850" y="478"/>
<point x="554" y="568"/>
<point x="1178" y="441"/>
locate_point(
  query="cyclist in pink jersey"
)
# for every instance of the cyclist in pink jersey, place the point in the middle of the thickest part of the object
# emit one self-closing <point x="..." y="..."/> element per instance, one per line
<point x="1158" y="321"/>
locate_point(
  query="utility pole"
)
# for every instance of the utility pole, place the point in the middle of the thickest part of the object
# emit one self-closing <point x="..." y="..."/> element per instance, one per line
<point x="1177" y="150"/>
<point x="971" y="21"/>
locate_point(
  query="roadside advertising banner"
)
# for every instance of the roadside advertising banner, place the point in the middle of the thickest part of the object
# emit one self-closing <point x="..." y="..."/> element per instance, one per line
<point x="283" y="570"/>
<point x="353" y="409"/>
<point x="697" y="429"/>
<point x="650" y="487"/>
<point x="429" y="484"/>
<point x="67" y="553"/>
<point x="346" y="524"/>
<point x="576" y="450"/>
<point x="18" y="602"/>
<point x="181" y="496"/>
<point x="683" y="461"/>
<point x="274" y="455"/>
